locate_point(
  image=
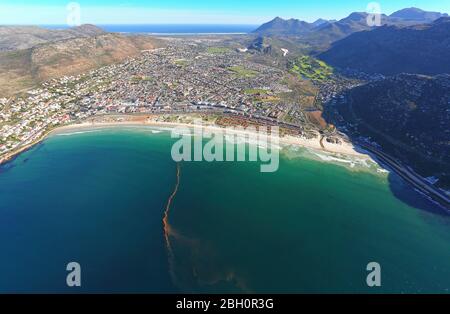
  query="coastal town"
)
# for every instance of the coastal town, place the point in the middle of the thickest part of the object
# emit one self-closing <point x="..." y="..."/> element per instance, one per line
<point x="184" y="77"/>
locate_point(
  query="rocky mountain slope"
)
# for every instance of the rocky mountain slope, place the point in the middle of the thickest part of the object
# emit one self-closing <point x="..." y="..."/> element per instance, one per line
<point x="24" y="37"/>
<point x="389" y="50"/>
<point x="409" y="116"/>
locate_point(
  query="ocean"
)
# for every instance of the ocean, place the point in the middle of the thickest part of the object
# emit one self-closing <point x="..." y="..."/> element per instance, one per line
<point x="173" y="29"/>
<point x="98" y="198"/>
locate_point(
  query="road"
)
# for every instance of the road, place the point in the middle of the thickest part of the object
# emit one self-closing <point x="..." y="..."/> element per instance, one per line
<point x="410" y="176"/>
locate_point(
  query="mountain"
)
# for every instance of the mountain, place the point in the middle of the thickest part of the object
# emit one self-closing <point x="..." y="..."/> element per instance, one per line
<point x="24" y="37"/>
<point x="389" y="50"/>
<point x="262" y="44"/>
<point x="330" y="32"/>
<point x="408" y="115"/>
<point x="279" y="26"/>
<point x="276" y="46"/>
<point x="415" y="14"/>
<point x="319" y="34"/>
<point x="24" y="69"/>
<point x="319" y="22"/>
<point x="322" y="33"/>
<point x="327" y="33"/>
<point x="354" y="22"/>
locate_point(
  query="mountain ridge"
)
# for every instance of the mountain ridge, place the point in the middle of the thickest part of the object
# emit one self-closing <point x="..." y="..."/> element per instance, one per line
<point x="390" y="50"/>
<point x="323" y="32"/>
<point x="417" y="14"/>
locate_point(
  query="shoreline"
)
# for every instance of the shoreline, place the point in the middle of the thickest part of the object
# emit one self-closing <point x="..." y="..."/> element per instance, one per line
<point x="317" y="145"/>
<point x="12" y="155"/>
<point x="344" y="149"/>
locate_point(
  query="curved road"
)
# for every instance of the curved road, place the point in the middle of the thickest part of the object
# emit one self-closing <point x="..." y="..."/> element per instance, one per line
<point x="410" y="176"/>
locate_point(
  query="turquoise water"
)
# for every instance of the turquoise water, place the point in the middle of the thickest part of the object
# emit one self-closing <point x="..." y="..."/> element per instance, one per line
<point x="98" y="198"/>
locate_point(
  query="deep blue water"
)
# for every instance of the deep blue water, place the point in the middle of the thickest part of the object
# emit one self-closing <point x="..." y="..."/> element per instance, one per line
<point x="172" y="28"/>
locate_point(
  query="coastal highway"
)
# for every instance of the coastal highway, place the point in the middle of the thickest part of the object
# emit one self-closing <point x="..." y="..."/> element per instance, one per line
<point x="411" y="177"/>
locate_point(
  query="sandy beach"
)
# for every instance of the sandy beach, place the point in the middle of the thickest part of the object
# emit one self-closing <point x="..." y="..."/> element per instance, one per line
<point x="345" y="148"/>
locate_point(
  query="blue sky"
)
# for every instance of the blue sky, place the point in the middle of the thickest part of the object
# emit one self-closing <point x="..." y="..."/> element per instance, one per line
<point x="195" y="11"/>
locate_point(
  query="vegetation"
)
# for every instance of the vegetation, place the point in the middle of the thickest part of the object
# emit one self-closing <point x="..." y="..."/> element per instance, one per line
<point x="218" y="50"/>
<point x="255" y="91"/>
<point x="181" y="62"/>
<point x="240" y="71"/>
<point x="141" y="78"/>
<point x="270" y="99"/>
<point x="407" y="115"/>
<point x="311" y="68"/>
